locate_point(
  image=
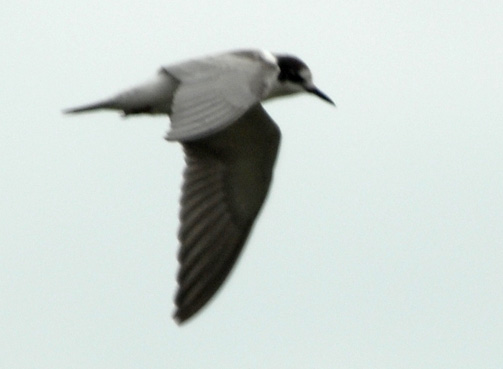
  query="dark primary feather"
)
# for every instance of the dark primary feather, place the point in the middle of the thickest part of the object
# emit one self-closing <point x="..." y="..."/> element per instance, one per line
<point x="225" y="184"/>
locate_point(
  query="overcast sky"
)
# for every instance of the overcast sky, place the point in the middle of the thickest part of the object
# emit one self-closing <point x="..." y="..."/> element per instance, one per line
<point x="380" y="245"/>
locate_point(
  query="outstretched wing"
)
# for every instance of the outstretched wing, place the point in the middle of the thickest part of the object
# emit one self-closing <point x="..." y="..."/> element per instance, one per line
<point x="215" y="91"/>
<point x="225" y="184"/>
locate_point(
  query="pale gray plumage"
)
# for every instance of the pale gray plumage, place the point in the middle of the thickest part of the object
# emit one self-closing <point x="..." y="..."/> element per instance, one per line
<point x="215" y="92"/>
<point x="230" y="145"/>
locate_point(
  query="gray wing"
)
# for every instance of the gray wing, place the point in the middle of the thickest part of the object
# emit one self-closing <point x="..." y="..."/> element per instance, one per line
<point x="225" y="184"/>
<point x="215" y="91"/>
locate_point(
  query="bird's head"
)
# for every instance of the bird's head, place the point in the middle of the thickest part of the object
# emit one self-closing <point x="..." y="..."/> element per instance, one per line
<point x="294" y="76"/>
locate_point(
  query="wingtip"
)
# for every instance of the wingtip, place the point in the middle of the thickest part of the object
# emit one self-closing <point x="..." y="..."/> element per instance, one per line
<point x="187" y="312"/>
<point x="180" y="318"/>
<point x="178" y="321"/>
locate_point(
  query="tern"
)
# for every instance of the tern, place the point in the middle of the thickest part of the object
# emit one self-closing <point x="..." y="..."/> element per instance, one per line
<point x="230" y="145"/>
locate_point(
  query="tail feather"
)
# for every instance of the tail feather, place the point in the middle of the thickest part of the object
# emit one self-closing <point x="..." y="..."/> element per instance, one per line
<point x="107" y="104"/>
<point x="153" y="97"/>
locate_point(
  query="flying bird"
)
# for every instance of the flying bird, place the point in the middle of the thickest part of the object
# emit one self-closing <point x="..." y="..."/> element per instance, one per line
<point x="230" y="145"/>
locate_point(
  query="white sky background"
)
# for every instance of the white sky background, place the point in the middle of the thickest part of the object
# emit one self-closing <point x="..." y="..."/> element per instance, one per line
<point x="380" y="245"/>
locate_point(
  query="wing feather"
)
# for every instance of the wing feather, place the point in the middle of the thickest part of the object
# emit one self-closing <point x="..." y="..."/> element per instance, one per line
<point x="225" y="184"/>
<point x="215" y="91"/>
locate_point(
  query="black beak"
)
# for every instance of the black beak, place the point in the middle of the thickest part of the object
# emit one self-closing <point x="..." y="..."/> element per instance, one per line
<point x="321" y="95"/>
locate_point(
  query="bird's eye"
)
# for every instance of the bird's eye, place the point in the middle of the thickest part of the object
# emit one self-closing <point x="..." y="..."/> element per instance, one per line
<point x="290" y="75"/>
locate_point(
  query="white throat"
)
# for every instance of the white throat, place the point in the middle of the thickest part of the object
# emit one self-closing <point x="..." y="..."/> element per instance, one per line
<point x="286" y="88"/>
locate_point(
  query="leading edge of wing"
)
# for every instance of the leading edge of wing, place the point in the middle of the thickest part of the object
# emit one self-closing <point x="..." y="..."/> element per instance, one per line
<point x="215" y="91"/>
